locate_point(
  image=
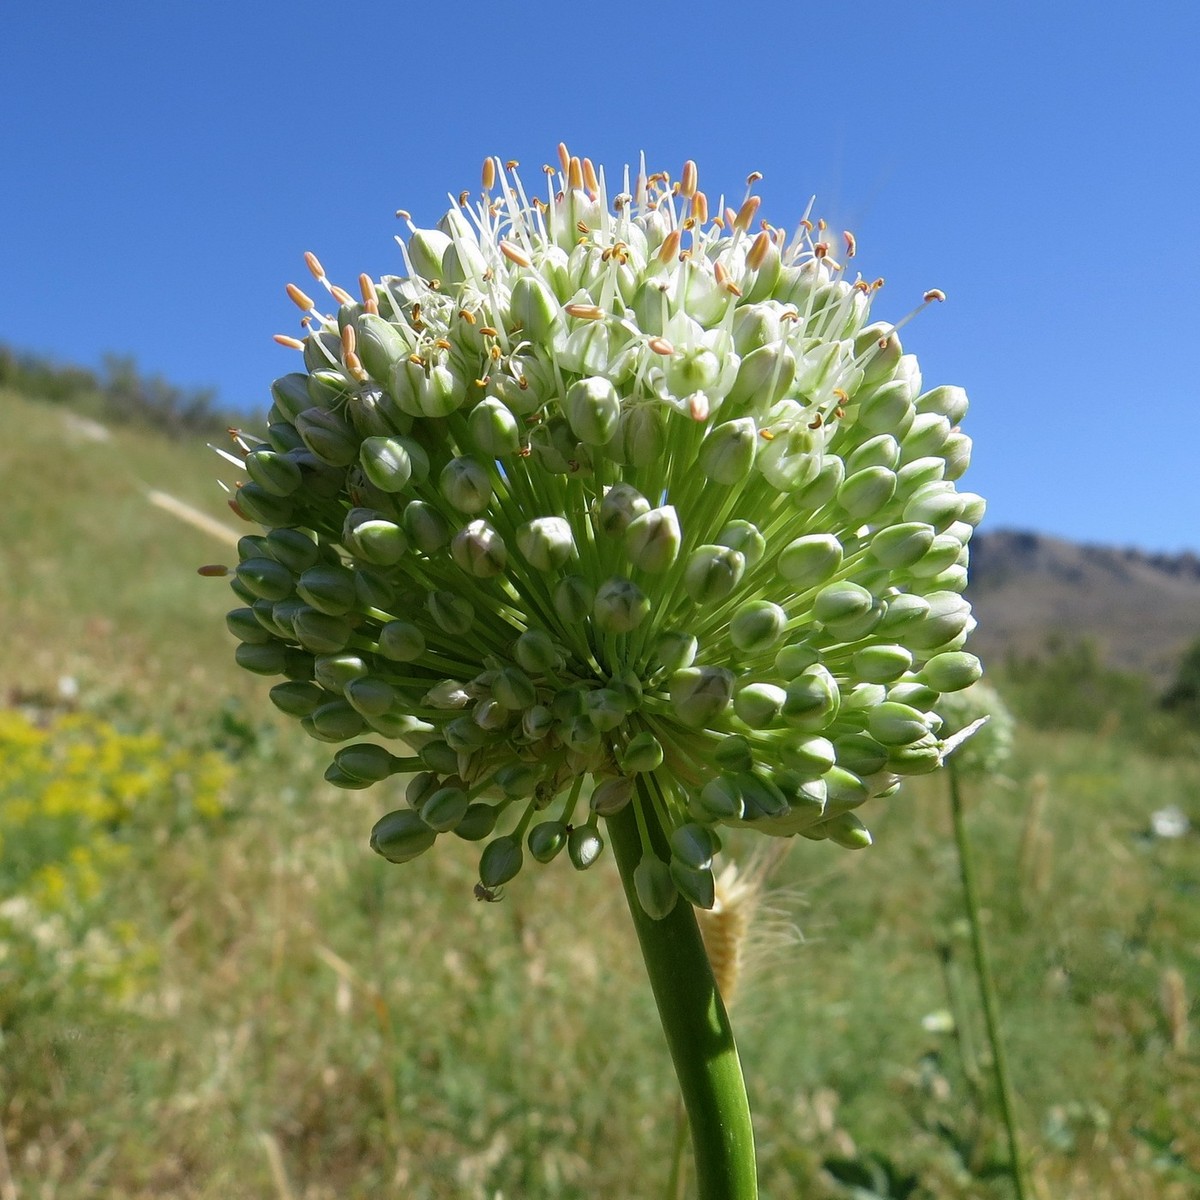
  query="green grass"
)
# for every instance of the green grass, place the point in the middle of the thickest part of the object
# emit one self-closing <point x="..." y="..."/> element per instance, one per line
<point x="319" y="1023"/>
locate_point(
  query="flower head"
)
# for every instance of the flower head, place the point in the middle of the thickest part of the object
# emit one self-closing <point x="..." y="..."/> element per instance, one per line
<point x="611" y="498"/>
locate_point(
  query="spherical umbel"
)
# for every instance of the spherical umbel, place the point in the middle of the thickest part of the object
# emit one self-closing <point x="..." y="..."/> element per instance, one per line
<point x="602" y="501"/>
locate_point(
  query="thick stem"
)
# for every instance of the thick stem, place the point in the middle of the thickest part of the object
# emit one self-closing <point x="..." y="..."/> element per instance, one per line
<point x="987" y="987"/>
<point x="694" y="1020"/>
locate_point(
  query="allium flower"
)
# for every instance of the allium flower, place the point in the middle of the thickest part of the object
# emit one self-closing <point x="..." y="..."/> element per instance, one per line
<point x="609" y="500"/>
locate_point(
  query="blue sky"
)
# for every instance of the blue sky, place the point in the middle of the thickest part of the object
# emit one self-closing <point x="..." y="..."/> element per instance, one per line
<point x="165" y="166"/>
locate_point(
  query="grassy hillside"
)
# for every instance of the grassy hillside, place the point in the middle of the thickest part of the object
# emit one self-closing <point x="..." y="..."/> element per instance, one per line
<point x="209" y="987"/>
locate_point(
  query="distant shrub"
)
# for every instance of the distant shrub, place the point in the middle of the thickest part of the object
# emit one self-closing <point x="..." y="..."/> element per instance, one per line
<point x="1182" y="698"/>
<point x="79" y="802"/>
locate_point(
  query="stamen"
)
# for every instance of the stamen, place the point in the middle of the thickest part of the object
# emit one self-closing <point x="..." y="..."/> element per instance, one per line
<point x="753" y="178"/>
<point x="934" y="294"/>
<point x="564" y="156"/>
<point x="698" y="406"/>
<point x="574" y="175"/>
<point x="290" y="342"/>
<point x="687" y="184"/>
<point x="660" y="346"/>
<point x="303" y="302"/>
<point x="340" y="294"/>
<point x="585" y="312"/>
<point x="589" y="176"/>
<point x="512" y="164"/>
<point x="314" y="265"/>
<point x="463" y="197"/>
<point x="669" y="250"/>
<point x="349" y="341"/>
<point x="851" y="243"/>
<point x="766" y="435"/>
<point x="487" y="331"/>
<point x="213" y="571"/>
<point x="515" y="254"/>
<point x="355" y="367"/>
<point x="700" y="208"/>
<point x="746" y="214"/>
<point x="758" y="251"/>
<point x="489" y="174"/>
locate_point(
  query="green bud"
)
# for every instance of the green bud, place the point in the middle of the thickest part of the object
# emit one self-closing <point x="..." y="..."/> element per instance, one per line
<point x="641" y="436"/>
<point x="794" y="659"/>
<point x="948" y="618"/>
<point x="534" y="309"/>
<point x="644" y="752"/>
<point x="675" y="649"/>
<point x="584" y="846"/>
<point x="328" y="589"/>
<point x="611" y="796"/>
<point x="379" y="345"/>
<point x="654" y="886"/>
<point x="792" y="459"/>
<point x="573" y="599"/>
<point x="620" y="606"/>
<point x="865" y="492"/>
<point x="478" y="822"/>
<point x="593" y="409"/>
<point x="371" y="538"/>
<point x="439" y="757"/>
<point x="391" y="463"/>
<point x="290" y="395"/>
<point x="652" y="540"/>
<point x="844" y="790"/>
<point x="941" y="556"/>
<point x="536" y="652"/>
<point x="606" y="708"/>
<point x="328" y="436"/>
<point x="333" y="722"/>
<point x="913" y="693"/>
<point x="861" y="754"/>
<point x="879" y="348"/>
<point x="401" y="836"/>
<point x="842" y="601"/>
<point x="899" y="546"/>
<point x="537" y="722"/>
<point x="479" y="550"/>
<point x="809" y="757"/>
<point x="880" y="451"/>
<point x="957" y="453"/>
<point x="322" y="633"/>
<point x="719" y="800"/>
<point x="294" y="548"/>
<point x="265" y="578"/>
<point x="951" y="672"/>
<point x="712" y="573"/>
<point x="444" y="809"/>
<point x="297" y="699"/>
<point x="513" y="689"/>
<point x="451" y="613"/>
<point x="699" y="695"/>
<point x="823" y="487"/>
<point x="845" y="829"/>
<point x="425" y="391"/>
<point x="246" y="627"/>
<point x="759" y="704"/>
<point x="262" y="658"/>
<point x="694" y="845"/>
<point x="733" y="754"/>
<point x="917" y="758"/>
<point x="764" y="376"/>
<point x="365" y="761"/>
<point x="328" y="388"/>
<point x="620" y="505"/>
<point x="371" y="697"/>
<point x="426" y="250"/>
<point x="546" y="840"/>
<point x="882" y="663"/>
<point x="893" y="724"/>
<point x="494" y="429"/>
<point x="273" y="472"/>
<point x="518" y="780"/>
<point x="949" y="402"/>
<point x="757" y="627"/>
<point x="812" y="699"/>
<point x="810" y="560"/>
<point x="429" y="530"/>
<point x="546" y="543"/>
<point x="887" y="408"/>
<point x="466" y="485"/>
<point x="727" y="453"/>
<point x="935" y="503"/>
<point x="696" y="887"/>
<point x="401" y="641"/>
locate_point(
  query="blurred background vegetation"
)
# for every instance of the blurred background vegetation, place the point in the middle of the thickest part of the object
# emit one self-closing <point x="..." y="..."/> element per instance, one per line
<point x="209" y="987"/>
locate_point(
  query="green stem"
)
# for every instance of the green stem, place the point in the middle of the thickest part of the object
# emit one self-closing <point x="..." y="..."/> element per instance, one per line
<point x="694" y="1020"/>
<point x="987" y="986"/>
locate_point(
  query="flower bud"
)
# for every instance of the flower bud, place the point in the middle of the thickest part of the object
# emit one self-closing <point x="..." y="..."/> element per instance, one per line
<point x="429" y="530"/>
<point x="759" y="704"/>
<point x="593" y="409"/>
<point x="720" y="799"/>
<point x="366" y="761"/>
<point x="882" y="663"/>
<point x="794" y="659"/>
<point x="371" y="538"/>
<point x="513" y="689"/>
<point x="322" y="633"/>
<point x="712" y="573"/>
<point x="652" y="540"/>
<point x="808" y="757"/>
<point x="643" y="752"/>
<point x="694" y="845"/>
<point x="424" y="391"/>
<point x="621" y="504"/>
<point x="328" y="589"/>
<point x="401" y="641"/>
<point x="641" y="436"/>
<point x="887" y="409"/>
<point x="943" y="553"/>
<point x="479" y="550"/>
<point x="696" y="887"/>
<point x="893" y="724"/>
<point x="477" y="822"/>
<point x="265" y="578"/>
<point x="534" y="309"/>
<point x="654" y="886"/>
<point x="865" y="492"/>
<point x="444" y="809"/>
<point x="390" y="463"/>
<point x="328" y="436"/>
<point x="948" y="618"/>
<point x="949" y="402"/>
<point x="880" y="451"/>
<point x="841" y="601"/>
<point x="899" y="546"/>
<point x="699" y="695"/>
<point x="727" y="453"/>
<point x="757" y="627"/>
<point x="812" y="699"/>
<point x="371" y="697"/>
<point x="809" y="560"/>
<point x="675" y="649"/>
<point x="951" y="672"/>
<point x="536" y="652"/>
<point x="764" y="376"/>
<point x="546" y="543"/>
<point x="335" y="671"/>
<point x="333" y="722"/>
<point x="845" y="829"/>
<point x="246" y="627"/>
<point x="573" y="599"/>
<point x="426" y="250"/>
<point x="611" y="796"/>
<point x="584" y="846"/>
<point x="546" y="840"/>
<point x="273" y="472"/>
<point x="401" y="836"/>
<point x="880" y="348"/>
<point x="917" y="758"/>
<point x="451" y="613"/>
<point x="494" y="429"/>
<point x="465" y="485"/>
<point x="297" y="699"/>
<point x="620" y="606"/>
<point x="262" y="658"/>
<point x="290" y="395"/>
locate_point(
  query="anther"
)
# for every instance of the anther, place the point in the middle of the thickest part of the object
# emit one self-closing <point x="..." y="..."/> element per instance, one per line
<point x="213" y="571"/>
<point x="877" y="284"/>
<point x="700" y="208"/>
<point x="314" y="265"/>
<point x="574" y="175"/>
<point x="489" y="174"/>
<point x="821" y="249"/>
<point x="698" y="406"/>
<point x="463" y="197"/>
<point x="366" y="287"/>
<point x="442" y="344"/>
<point x="340" y="294"/>
<point x="758" y="251"/>
<point x="290" y="342"/>
<point x="753" y="178"/>
<point x="851" y="243"/>
<point x="934" y="294"/>
<point x="416" y="360"/>
<point x="515" y="254"/>
<point x="585" y="312"/>
<point x="589" y="176"/>
<point x="766" y="435"/>
<point x="669" y="250"/>
<point x="299" y="299"/>
<point x="687" y="184"/>
<point x="660" y="346"/>
<point x="816" y="422"/>
<point x="355" y="367"/>
<point x="582" y="227"/>
<point x="512" y="164"/>
<point x="349" y="342"/>
<point x="404" y="214"/>
<point x="496" y="353"/>
<point x="841" y="395"/>
<point x="487" y="331"/>
<point x="745" y="214"/>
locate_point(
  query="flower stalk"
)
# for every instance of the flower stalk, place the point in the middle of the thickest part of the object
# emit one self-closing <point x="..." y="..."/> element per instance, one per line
<point x="694" y="1020"/>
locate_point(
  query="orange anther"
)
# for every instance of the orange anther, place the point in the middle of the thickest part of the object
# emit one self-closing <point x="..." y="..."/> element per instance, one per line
<point x="660" y="346"/>
<point x="314" y="265"/>
<point x="299" y="299"/>
<point x="585" y="312"/>
<point x="290" y="342"/>
<point x="934" y="294"/>
<point x="851" y="243"/>
<point x="489" y="174"/>
<point x="515" y="254"/>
